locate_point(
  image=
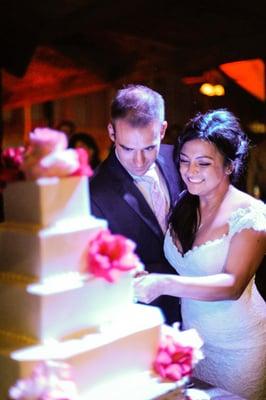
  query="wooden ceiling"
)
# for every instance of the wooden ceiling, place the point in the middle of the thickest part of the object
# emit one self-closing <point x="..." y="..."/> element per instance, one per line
<point x="113" y="37"/>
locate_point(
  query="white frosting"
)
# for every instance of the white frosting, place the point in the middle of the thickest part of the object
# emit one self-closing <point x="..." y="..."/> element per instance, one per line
<point x="47" y="311"/>
<point x="47" y="200"/>
<point x="44" y="252"/>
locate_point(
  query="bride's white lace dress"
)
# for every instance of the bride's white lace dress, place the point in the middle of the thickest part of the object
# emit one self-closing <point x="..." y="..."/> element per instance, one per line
<point x="234" y="331"/>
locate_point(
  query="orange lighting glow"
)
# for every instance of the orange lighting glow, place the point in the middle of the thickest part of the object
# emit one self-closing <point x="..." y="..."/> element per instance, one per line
<point x="250" y="75"/>
<point x="49" y="76"/>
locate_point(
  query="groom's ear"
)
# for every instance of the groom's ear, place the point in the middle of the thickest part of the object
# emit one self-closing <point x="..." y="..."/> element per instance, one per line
<point x="111" y="131"/>
<point x="163" y="129"/>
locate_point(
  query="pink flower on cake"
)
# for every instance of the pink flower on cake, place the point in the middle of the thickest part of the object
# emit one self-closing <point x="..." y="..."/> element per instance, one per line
<point x="11" y="161"/>
<point x="110" y="255"/>
<point x="49" y="381"/>
<point x="177" y="354"/>
<point x="84" y="166"/>
<point x="59" y="163"/>
<point x="46" y="155"/>
<point x="44" y="141"/>
<point x="173" y="361"/>
<point x="12" y="157"/>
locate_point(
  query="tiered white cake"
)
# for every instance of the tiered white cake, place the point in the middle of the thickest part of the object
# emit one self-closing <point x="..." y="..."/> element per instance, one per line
<point x="49" y="308"/>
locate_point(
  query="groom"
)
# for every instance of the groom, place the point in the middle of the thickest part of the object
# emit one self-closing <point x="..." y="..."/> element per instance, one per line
<point x="135" y="187"/>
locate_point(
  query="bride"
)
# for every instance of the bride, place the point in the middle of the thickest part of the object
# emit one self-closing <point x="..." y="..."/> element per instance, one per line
<point x="216" y="241"/>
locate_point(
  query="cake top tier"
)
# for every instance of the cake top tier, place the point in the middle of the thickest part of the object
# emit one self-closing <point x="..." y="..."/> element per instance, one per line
<point x="47" y="201"/>
<point x="42" y="188"/>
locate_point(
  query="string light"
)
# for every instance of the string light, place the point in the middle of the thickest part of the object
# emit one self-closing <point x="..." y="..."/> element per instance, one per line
<point x="209" y="89"/>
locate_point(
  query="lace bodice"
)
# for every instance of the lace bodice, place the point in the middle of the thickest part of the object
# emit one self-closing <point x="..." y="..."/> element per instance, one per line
<point x="234" y="331"/>
<point x="199" y="260"/>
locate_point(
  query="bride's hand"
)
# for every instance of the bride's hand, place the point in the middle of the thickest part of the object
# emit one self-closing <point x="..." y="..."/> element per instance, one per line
<point x="148" y="287"/>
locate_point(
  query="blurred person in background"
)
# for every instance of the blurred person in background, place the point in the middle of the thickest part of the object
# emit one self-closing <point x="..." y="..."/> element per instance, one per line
<point x="87" y="142"/>
<point x="67" y="126"/>
<point x="256" y="174"/>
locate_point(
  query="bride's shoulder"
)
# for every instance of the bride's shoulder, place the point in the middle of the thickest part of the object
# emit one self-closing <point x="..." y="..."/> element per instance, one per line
<point x="246" y="212"/>
<point x="241" y="200"/>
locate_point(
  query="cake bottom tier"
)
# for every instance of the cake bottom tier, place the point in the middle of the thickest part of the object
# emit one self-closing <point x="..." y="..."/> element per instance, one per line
<point x="138" y="386"/>
<point x="122" y="349"/>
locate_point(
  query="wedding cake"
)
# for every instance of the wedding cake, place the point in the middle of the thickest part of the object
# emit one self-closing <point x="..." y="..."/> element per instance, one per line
<point x="47" y="300"/>
<point x="59" y="300"/>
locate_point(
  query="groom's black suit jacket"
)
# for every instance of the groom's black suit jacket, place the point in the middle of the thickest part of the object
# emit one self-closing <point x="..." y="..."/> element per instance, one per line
<point x="116" y="198"/>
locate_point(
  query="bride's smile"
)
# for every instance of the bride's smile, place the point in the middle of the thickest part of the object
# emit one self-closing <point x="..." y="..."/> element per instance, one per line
<point x="202" y="167"/>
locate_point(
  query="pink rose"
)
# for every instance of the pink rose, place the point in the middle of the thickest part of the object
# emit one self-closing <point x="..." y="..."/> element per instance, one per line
<point x="11" y="161"/>
<point x="49" y="381"/>
<point x="12" y="157"/>
<point x="173" y="360"/>
<point x="58" y="163"/>
<point x="43" y="141"/>
<point x="84" y="169"/>
<point x="110" y="255"/>
<point x="47" y="155"/>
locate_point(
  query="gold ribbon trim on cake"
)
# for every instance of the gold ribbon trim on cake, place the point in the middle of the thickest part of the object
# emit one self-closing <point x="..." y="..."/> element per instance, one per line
<point x="20" y="227"/>
<point x="16" y="339"/>
<point x="18" y="279"/>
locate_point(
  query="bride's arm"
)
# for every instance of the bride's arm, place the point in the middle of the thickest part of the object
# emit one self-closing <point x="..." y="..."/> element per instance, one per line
<point x="245" y="254"/>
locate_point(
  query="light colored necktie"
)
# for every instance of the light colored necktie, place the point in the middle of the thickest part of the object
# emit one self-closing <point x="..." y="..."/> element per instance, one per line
<point x="159" y="203"/>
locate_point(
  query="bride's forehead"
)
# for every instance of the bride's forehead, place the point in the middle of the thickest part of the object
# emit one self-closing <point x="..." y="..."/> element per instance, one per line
<point x="199" y="146"/>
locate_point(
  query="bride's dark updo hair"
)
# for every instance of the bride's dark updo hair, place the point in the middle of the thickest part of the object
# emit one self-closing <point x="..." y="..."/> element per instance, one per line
<point x="221" y="128"/>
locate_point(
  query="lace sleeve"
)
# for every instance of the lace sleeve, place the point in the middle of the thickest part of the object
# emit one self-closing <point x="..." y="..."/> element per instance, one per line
<point x="253" y="217"/>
